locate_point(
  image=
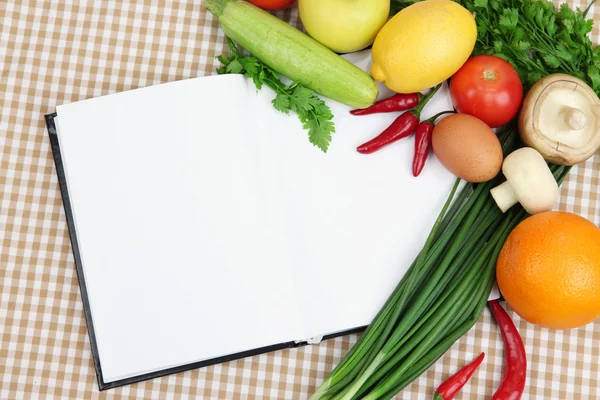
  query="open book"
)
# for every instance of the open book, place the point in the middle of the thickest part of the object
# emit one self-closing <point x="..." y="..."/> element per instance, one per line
<point x="205" y="226"/>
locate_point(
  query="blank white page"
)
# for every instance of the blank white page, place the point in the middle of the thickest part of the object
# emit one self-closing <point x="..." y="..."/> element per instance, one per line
<point x="183" y="251"/>
<point x="354" y="222"/>
<point x="209" y="225"/>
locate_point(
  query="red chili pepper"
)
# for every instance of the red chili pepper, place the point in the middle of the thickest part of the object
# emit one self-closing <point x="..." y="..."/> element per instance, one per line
<point x="452" y="386"/>
<point x="422" y="146"/>
<point x="423" y="137"/>
<point x="515" y="371"/>
<point x="398" y="102"/>
<point x="402" y="127"/>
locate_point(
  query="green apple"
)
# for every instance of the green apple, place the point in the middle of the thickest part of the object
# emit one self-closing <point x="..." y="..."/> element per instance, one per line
<point x="344" y="26"/>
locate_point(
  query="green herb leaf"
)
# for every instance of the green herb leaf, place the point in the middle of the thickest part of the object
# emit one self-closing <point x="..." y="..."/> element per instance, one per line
<point x="563" y="51"/>
<point x="481" y="3"/>
<point x="281" y="102"/>
<point x="524" y="45"/>
<point x="509" y="19"/>
<point x="533" y="77"/>
<point x="234" y="67"/>
<point x="594" y="75"/>
<point x="496" y="5"/>
<point x="319" y="132"/>
<point x="250" y="65"/>
<point x="530" y="11"/>
<point x="551" y="26"/>
<point x="498" y="46"/>
<point x="568" y="24"/>
<point x="301" y="98"/>
<point x="565" y="12"/>
<point x="539" y="16"/>
<point x="552" y="61"/>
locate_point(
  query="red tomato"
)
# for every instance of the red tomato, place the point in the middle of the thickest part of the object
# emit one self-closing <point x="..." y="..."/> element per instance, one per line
<point x="272" y="4"/>
<point x="488" y="88"/>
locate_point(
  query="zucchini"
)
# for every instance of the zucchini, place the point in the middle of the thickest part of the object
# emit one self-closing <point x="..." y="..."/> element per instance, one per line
<point x="293" y="53"/>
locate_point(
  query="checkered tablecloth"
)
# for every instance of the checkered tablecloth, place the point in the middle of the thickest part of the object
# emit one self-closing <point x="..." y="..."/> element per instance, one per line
<point x="54" y="52"/>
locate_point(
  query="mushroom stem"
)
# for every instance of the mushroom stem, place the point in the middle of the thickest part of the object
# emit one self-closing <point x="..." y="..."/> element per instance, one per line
<point x="505" y="196"/>
<point x="574" y="117"/>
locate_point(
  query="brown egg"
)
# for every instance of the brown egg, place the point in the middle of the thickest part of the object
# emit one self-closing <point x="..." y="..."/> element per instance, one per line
<point x="467" y="147"/>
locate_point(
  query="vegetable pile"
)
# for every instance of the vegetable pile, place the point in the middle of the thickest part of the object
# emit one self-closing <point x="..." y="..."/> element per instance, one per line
<point x="518" y="47"/>
<point x="439" y="299"/>
<point x="534" y="37"/>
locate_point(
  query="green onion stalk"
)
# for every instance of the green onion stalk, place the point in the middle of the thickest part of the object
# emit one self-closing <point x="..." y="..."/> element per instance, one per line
<point x="440" y="297"/>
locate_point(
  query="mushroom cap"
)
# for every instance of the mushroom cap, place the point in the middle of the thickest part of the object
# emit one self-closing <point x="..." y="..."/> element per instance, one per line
<point x="531" y="180"/>
<point x="560" y="118"/>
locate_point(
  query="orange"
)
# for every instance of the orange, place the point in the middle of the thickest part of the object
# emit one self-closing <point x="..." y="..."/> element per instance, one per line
<point x="549" y="270"/>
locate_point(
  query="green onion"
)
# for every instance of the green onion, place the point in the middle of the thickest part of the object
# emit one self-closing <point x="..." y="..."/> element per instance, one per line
<point x="438" y="300"/>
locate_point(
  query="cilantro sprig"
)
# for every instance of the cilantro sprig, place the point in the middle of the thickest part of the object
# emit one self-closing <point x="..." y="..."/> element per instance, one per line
<point x="315" y="115"/>
<point x="535" y="37"/>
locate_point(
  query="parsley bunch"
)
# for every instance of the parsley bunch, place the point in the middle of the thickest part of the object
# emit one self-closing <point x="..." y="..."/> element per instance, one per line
<point x="535" y="37"/>
<point x="315" y="115"/>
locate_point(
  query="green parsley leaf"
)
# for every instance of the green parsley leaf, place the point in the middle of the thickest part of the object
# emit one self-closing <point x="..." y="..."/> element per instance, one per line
<point x="281" y="102"/>
<point x="552" y="61"/>
<point x="596" y="53"/>
<point x="539" y="16"/>
<point x="551" y="26"/>
<point x="524" y="45"/>
<point x="509" y="19"/>
<point x="319" y="132"/>
<point x="594" y="75"/>
<point x="530" y="11"/>
<point x="496" y="5"/>
<point x="563" y="51"/>
<point x="565" y="12"/>
<point x="568" y="24"/>
<point x="481" y="3"/>
<point x="234" y="67"/>
<point x="301" y="98"/>
<point x="533" y="77"/>
<point x="498" y="46"/>
<point x="250" y="65"/>
<point x="518" y="35"/>
<point x="223" y="60"/>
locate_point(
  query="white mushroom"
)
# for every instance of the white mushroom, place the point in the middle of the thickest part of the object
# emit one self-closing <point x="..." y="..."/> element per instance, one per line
<point x="529" y="181"/>
<point x="560" y="118"/>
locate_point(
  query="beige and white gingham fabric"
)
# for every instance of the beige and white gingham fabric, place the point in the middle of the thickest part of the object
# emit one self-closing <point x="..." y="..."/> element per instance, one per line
<point x="54" y="52"/>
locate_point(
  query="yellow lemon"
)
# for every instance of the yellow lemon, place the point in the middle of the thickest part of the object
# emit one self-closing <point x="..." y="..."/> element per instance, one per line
<point x="344" y="25"/>
<point x="423" y="45"/>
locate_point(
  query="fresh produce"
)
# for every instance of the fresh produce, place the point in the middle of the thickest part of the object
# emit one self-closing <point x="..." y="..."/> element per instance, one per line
<point x="294" y="54"/>
<point x="397" y="102"/>
<point x="488" y="88"/>
<point x="315" y="115"/>
<point x="344" y="26"/>
<point x="402" y="127"/>
<point x="534" y="36"/>
<point x="438" y="300"/>
<point x="423" y="137"/>
<point x="423" y="45"/>
<point x="561" y="119"/>
<point x="515" y="368"/>
<point x="549" y="270"/>
<point x="449" y="389"/>
<point x="529" y="181"/>
<point x="467" y="147"/>
<point x="273" y="4"/>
